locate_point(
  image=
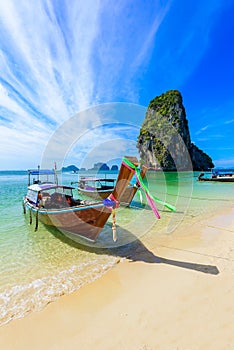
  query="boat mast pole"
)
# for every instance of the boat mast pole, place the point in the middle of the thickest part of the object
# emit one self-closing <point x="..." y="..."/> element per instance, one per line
<point x="28" y="177"/>
<point x="55" y="174"/>
<point x="38" y="175"/>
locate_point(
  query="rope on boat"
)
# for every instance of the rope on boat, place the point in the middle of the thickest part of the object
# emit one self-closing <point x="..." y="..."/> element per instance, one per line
<point x="24" y="209"/>
<point x="114" y="225"/>
<point x="112" y="203"/>
<point x="36" y="226"/>
<point x="116" y="205"/>
<point x="30" y="217"/>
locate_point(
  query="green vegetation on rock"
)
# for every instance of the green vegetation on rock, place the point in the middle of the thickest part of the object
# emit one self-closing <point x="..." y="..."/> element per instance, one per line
<point x="164" y="139"/>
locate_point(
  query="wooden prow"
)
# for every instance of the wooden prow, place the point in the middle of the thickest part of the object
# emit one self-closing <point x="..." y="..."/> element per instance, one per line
<point x="124" y="177"/>
<point x="143" y="173"/>
<point x="130" y="193"/>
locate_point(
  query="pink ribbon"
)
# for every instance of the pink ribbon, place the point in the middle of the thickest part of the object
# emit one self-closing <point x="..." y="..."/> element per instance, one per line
<point x="150" y="201"/>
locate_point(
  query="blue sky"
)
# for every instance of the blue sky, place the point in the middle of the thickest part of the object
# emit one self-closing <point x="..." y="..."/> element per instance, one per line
<point x="59" y="58"/>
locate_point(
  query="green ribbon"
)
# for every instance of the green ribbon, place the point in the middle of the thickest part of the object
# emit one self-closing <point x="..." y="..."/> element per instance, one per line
<point x="145" y="188"/>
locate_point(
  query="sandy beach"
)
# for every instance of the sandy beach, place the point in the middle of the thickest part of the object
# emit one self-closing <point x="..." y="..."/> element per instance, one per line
<point x="175" y="292"/>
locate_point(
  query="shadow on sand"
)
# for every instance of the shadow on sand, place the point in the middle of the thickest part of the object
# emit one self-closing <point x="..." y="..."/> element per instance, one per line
<point x="135" y="250"/>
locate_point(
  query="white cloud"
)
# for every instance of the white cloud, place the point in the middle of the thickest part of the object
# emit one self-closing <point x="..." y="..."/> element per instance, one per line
<point x="57" y="59"/>
<point x="44" y="78"/>
<point x="229" y="121"/>
<point x="147" y="43"/>
<point x="204" y="128"/>
<point x="51" y="72"/>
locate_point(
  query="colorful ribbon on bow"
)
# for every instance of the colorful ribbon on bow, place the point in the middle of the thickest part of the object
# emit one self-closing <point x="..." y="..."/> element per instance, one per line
<point x="111" y="203"/>
<point x="150" y="198"/>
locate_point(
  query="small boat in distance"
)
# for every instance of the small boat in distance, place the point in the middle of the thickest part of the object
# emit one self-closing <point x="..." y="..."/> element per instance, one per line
<point x="97" y="188"/>
<point x="54" y="205"/>
<point x="218" y="175"/>
<point x="101" y="188"/>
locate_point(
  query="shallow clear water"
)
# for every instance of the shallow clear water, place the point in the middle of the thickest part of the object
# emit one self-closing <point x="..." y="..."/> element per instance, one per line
<point x="38" y="267"/>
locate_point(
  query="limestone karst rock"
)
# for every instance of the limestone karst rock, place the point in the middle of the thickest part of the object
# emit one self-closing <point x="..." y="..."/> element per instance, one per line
<point x="164" y="140"/>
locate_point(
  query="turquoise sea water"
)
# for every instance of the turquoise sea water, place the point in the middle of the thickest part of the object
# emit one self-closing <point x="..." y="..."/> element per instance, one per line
<point x="38" y="267"/>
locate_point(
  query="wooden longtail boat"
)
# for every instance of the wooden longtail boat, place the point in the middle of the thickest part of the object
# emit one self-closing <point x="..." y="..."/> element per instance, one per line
<point x="218" y="176"/>
<point x="101" y="188"/>
<point x="54" y="205"/>
<point x="97" y="188"/>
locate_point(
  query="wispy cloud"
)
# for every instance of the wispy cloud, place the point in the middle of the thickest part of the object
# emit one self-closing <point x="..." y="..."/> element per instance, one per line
<point x="45" y="69"/>
<point x="229" y="121"/>
<point x="123" y="47"/>
<point x="58" y="58"/>
<point x="202" y="129"/>
<point x="46" y="53"/>
<point x="147" y="45"/>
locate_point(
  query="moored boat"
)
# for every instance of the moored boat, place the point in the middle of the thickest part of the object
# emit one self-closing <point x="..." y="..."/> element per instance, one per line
<point x="97" y="188"/>
<point x="55" y="206"/>
<point x="224" y="175"/>
<point x="101" y="188"/>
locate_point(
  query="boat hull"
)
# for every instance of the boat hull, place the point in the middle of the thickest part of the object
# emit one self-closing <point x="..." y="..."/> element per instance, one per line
<point x="86" y="221"/>
<point x="77" y="217"/>
<point x="218" y="179"/>
<point x="95" y="194"/>
<point x="128" y="195"/>
<point x="125" y="199"/>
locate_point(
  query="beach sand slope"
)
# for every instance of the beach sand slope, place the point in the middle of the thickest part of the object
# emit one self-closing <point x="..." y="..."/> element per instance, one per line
<point x="172" y="293"/>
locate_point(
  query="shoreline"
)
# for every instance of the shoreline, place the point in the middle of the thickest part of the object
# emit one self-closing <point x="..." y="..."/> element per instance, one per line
<point x="173" y="292"/>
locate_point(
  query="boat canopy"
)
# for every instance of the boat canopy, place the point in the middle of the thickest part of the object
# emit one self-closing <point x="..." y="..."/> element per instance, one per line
<point x="48" y="189"/>
<point x="41" y="173"/>
<point x="48" y="186"/>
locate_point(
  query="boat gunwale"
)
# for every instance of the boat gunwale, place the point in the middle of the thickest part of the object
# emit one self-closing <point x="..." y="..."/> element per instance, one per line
<point x="75" y="208"/>
<point x="95" y="190"/>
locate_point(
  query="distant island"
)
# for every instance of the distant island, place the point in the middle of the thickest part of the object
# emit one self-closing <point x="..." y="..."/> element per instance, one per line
<point x="97" y="167"/>
<point x="164" y="140"/>
<point x="70" y="168"/>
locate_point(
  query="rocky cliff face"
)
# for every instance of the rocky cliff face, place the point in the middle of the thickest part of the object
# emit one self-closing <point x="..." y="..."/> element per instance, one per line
<point x="164" y="140"/>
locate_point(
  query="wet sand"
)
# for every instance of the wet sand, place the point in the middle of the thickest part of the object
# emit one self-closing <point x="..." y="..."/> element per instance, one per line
<point x="174" y="292"/>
